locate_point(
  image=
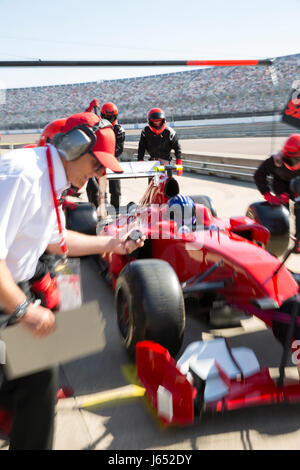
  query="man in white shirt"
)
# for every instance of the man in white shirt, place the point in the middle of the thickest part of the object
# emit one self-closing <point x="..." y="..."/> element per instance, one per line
<point x="29" y="225"/>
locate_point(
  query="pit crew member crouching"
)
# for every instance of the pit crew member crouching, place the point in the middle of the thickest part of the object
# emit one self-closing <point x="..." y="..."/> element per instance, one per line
<point x="281" y="168"/>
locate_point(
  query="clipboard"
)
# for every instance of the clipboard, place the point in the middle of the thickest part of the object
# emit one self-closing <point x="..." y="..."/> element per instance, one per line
<point x="79" y="332"/>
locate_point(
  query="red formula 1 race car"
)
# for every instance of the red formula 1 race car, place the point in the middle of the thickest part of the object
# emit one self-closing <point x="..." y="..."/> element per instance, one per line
<point x="222" y="262"/>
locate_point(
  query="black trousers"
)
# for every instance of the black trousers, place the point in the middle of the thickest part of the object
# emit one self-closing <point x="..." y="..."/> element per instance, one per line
<point x="32" y="400"/>
<point x="115" y="193"/>
<point x="297" y="218"/>
<point x="92" y="191"/>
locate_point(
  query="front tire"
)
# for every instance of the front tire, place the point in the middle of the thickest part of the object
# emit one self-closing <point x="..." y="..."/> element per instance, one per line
<point x="149" y="305"/>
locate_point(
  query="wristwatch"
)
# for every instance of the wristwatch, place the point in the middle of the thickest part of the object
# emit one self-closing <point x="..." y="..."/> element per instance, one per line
<point x="20" y="311"/>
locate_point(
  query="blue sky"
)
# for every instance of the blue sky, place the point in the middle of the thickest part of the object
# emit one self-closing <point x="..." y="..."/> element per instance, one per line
<point x="139" y="30"/>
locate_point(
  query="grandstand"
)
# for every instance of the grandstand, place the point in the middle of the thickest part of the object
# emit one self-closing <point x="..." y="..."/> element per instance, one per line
<point x="193" y="94"/>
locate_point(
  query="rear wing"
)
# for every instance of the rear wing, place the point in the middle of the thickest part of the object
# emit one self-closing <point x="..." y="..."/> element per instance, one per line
<point x="134" y="170"/>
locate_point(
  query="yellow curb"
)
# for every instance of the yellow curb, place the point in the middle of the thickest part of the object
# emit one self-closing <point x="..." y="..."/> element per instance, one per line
<point x="116" y="395"/>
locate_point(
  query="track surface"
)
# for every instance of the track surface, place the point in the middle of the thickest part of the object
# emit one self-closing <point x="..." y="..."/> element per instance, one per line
<point x="128" y="425"/>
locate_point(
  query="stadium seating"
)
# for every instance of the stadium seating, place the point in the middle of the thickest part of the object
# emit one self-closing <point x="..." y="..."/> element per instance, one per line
<point x="194" y="93"/>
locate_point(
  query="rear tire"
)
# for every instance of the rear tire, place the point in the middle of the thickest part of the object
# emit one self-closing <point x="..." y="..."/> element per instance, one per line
<point x="82" y="219"/>
<point x="149" y="305"/>
<point x="276" y="220"/>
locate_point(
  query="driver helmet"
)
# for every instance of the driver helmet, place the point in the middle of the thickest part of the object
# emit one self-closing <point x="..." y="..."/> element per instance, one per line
<point x="156" y="120"/>
<point x="291" y="152"/>
<point x="183" y="211"/>
<point x="53" y="128"/>
<point x="109" y="111"/>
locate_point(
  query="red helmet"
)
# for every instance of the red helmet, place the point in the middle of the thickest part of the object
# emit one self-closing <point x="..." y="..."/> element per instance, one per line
<point x="156" y="120"/>
<point x="53" y="128"/>
<point x="109" y="111"/>
<point x="291" y="152"/>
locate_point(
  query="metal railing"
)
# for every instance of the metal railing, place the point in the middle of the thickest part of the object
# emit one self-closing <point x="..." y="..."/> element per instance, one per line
<point x="228" y="170"/>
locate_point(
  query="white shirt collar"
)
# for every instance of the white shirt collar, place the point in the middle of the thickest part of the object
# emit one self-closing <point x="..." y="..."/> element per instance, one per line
<point x="60" y="178"/>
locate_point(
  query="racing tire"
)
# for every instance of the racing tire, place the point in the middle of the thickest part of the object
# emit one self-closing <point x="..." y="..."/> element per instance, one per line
<point x="207" y="202"/>
<point x="149" y="305"/>
<point x="82" y="219"/>
<point x="276" y="220"/>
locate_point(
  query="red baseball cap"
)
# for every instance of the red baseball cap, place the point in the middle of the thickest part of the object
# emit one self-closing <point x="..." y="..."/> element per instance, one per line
<point x="104" y="148"/>
<point x="291" y="152"/>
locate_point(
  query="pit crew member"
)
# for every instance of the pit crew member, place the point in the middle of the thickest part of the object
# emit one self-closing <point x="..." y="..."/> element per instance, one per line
<point x="109" y="111"/>
<point x="158" y="139"/>
<point x="32" y="180"/>
<point x="281" y="168"/>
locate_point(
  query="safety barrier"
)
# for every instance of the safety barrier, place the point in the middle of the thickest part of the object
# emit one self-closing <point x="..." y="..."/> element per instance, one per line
<point x="227" y="128"/>
<point x="11" y="146"/>
<point x="236" y="171"/>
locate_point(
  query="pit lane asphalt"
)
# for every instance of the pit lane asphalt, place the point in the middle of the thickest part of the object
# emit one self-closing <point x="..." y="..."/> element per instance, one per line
<point x="122" y="424"/>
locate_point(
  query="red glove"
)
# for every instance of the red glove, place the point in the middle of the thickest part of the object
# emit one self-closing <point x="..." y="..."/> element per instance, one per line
<point x="179" y="162"/>
<point x="72" y="191"/>
<point x="93" y="104"/>
<point x="274" y="200"/>
<point x="46" y="288"/>
<point x="69" y="205"/>
<point x="284" y="197"/>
